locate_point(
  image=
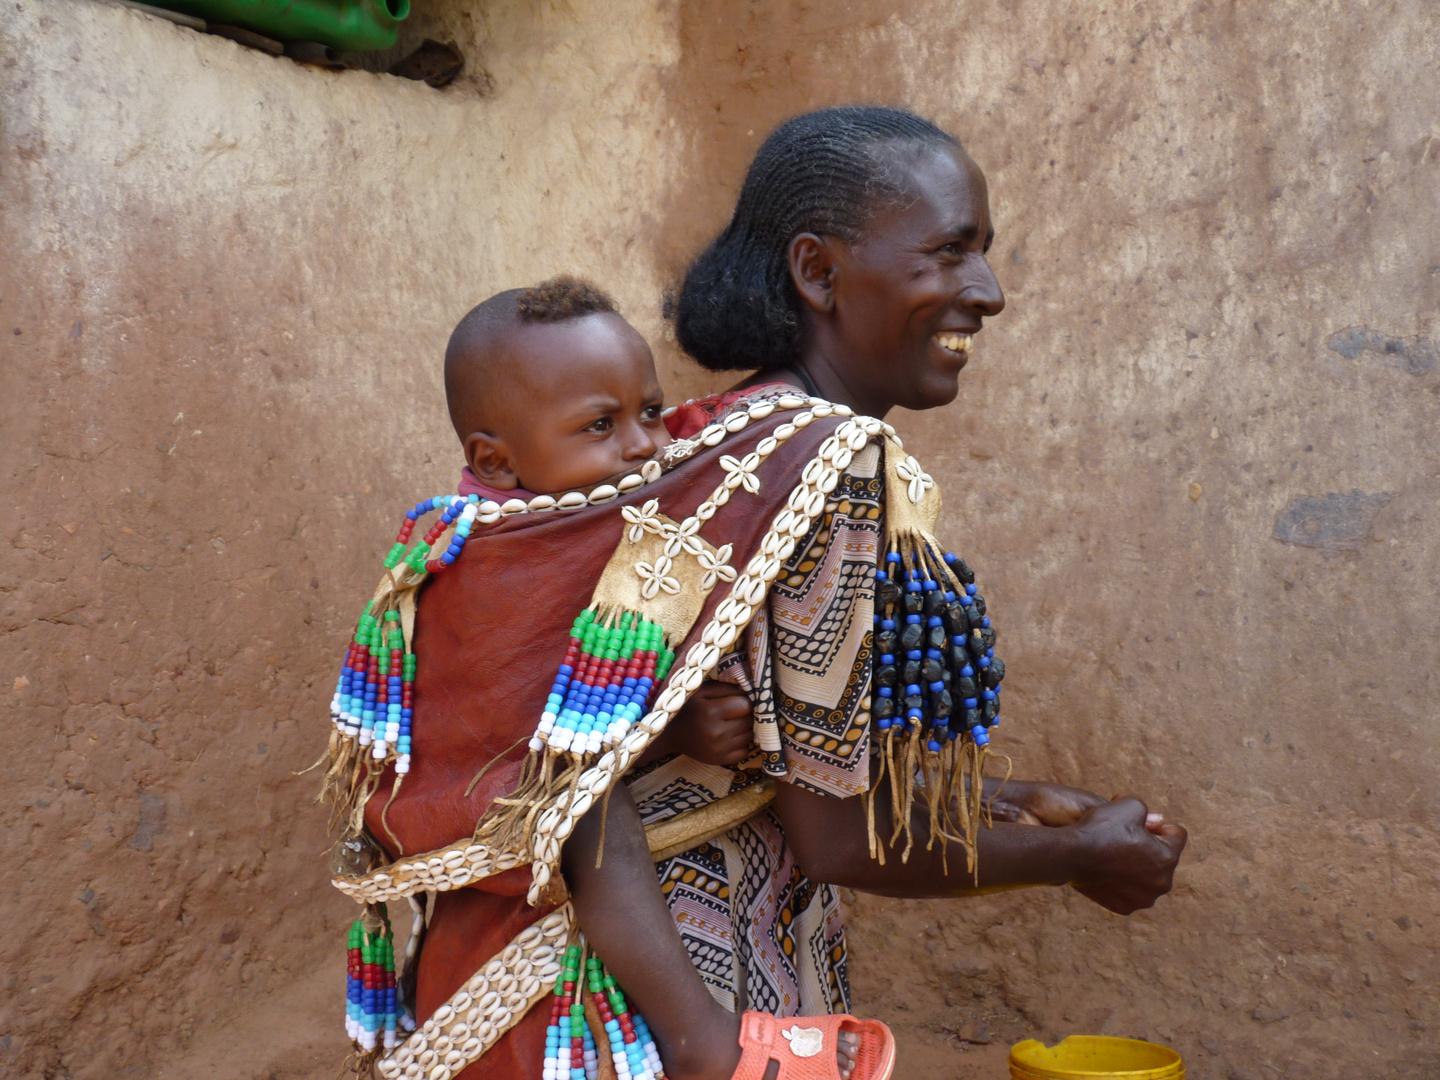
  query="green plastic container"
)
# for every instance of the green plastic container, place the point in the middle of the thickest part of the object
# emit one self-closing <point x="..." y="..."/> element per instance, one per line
<point x="1094" y="1057"/>
<point x="351" y="25"/>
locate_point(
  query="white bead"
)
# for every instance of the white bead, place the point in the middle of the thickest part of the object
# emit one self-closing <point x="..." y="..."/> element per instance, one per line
<point x="513" y="506"/>
<point x="842" y="459"/>
<point x="766" y="446"/>
<point x="736" y="421"/>
<point x="829" y="481"/>
<point x="571" y="500"/>
<point x="631" y="482"/>
<point x="815" y="504"/>
<point x="650" y="471"/>
<point x="843" y="410"/>
<point x="803" y="419"/>
<point x="603" y="493"/>
<point x="760" y="410"/>
<point x="713" y="435"/>
<point x="790" y="401"/>
<point x="822" y="409"/>
<point x="542" y="502"/>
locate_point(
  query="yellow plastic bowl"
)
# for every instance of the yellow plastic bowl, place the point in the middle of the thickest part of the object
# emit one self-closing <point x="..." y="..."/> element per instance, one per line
<point x="1094" y="1057"/>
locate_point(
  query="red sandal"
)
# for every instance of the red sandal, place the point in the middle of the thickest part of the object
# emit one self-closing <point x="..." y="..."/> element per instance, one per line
<point x="805" y="1047"/>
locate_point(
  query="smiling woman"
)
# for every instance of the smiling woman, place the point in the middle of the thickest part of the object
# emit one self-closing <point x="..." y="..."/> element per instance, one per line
<point x="855" y="263"/>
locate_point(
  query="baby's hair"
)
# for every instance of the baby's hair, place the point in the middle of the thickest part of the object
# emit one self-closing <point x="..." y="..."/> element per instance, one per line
<point x="470" y="382"/>
<point x="561" y="298"/>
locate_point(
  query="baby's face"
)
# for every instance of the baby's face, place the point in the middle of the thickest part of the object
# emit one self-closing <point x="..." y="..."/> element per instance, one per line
<point x="585" y="406"/>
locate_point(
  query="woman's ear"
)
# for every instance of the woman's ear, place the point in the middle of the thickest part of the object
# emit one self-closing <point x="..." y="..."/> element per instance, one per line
<point x="491" y="461"/>
<point x="812" y="269"/>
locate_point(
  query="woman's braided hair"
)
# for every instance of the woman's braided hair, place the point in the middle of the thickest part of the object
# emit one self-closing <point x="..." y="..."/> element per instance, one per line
<point x="825" y="172"/>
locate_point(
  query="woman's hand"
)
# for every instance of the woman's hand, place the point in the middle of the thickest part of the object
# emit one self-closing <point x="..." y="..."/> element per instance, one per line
<point x="1032" y="803"/>
<point x="716" y="726"/>
<point x="1129" y="856"/>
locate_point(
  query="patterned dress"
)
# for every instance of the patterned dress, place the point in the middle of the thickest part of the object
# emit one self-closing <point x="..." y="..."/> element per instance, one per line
<point x="762" y="935"/>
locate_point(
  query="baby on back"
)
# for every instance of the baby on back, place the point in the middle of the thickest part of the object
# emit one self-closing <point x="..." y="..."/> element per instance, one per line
<point x="550" y="391"/>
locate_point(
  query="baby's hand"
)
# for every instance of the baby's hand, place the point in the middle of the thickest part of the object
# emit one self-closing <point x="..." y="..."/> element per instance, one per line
<point x="715" y="726"/>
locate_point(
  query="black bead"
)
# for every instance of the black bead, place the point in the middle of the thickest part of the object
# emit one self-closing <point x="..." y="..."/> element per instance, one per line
<point x="963" y="572"/>
<point x="885" y="642"/>
<point x="956" y="619"/>
<point x="885" y="675"/>
<point x="911" y="672"/>
<point x="994" y="673"/>
<point x="978" y="603"/>
<point x="976" y="644"/>
<point x="987" y="635"/>
<point x="959" y="656"/>
<point x="990" y="711"/>
<point x="887" y="592"/>
<point x="941" y="704"/>
<point x="966" y="687"/>
<point x="911" y="637"/>
<point x="882" y="708"/>
<point x="914" y="701"/>
<point x="972" y="717"/>
<point x="934" y="602"/>
<point x="972" y="613"/>
<point x="935" y="637"/>
<point x="914" y="603"/>
<point x="931" y="670"/>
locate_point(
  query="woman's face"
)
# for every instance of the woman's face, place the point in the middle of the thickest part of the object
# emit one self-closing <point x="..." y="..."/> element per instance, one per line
<point x="909" y="297"/>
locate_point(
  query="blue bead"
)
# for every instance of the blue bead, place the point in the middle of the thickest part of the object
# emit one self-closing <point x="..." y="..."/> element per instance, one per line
<point x="911" y="620"/>
<point x="913" y="654"/>
<point x="893" y="557"/>
<point x="887" y="658"/>
<point x="630" y="681"/>
<point x="985" y="622"/>
<point x="888" y="624"/>
<point x="934" y="654"/>
<point x="988" y="695"/>
<point x="913" y="688"/>
<point x="447" y="558"/>
<point x="972" y="703"/>
<point x="884" y="723"/>
<point x="970" y="590"/>
<point x="933" y="746"/>
<point x="967" y="672"/>
<point x="915" y="714"/>
<point x="876" y="619"/>
<point x="934" y="620"/>
<point x="885" y="691"/>
<point x="989" y="654"/>
<point x="984" y="662"/>
<point x="949" y="595"/>
<point x="977" y="733"/>
<point x="936" y="686"/>
<point x="929" y="585"/>
<point x="880" y="575"/>
<point x="566" y="669"/>
<point x="999" y="687"/>
<point x="965" y="601"/>
<point x="913" y="586"/>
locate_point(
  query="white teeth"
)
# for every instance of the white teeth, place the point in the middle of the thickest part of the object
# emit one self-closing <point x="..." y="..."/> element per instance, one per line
<point x="959" y="343"/>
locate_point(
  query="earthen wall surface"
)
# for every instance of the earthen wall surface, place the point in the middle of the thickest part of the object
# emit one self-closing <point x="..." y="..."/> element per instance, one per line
<point x="1195" y="460"/>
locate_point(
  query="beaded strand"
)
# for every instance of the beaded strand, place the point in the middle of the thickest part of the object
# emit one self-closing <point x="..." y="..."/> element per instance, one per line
<point x="372" y="1008"/>
<point x="929" y="642"/>
<point x="570" y="1052"/>
<point x="604" y="684"/>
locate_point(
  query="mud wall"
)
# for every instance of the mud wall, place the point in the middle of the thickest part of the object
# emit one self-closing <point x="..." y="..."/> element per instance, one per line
<point x="1195" y="461"/>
